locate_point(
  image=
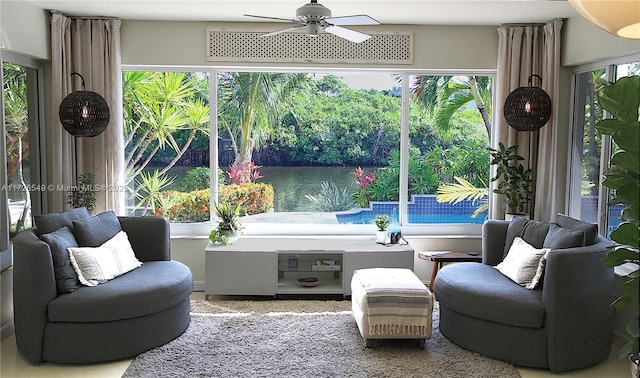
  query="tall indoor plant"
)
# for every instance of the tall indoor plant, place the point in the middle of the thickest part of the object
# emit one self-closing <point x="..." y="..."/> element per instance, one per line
<point x="83" y="194"/>
<point x="622" y="100"/>
<point x="514" y="181"/>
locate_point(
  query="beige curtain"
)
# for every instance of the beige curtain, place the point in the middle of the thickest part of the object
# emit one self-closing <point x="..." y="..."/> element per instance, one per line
<point x="90" y="47"/>
<point x="525" y="50"/>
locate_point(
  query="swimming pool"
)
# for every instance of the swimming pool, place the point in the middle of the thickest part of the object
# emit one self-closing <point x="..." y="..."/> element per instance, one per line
<point x="366" y="217"/>
<point x="424" y="209"/>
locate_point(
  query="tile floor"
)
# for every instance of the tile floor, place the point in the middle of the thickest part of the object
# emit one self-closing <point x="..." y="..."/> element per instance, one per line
<point x="12" y="364"/>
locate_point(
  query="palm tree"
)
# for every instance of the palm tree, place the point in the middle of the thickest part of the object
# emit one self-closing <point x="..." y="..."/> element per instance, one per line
<point x="445" y="95"/>
<point x="16" y="130"/>
<point x="157" y="106"/>
<point x="592" y="161"/>
<point x="253" y="98"/>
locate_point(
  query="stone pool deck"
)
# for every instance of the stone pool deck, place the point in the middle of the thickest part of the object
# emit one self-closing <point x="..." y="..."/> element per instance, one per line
<point x="295" y="217"/>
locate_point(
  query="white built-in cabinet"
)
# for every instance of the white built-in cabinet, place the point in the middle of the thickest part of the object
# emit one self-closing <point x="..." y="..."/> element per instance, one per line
<point x="272" y="266"/>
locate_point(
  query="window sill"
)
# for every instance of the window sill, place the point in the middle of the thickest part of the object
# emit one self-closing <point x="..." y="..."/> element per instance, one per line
<point x="202" y="230"/>
<point x="625" y="269"/>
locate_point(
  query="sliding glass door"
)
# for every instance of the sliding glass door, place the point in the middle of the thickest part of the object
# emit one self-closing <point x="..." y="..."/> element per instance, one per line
<point x="591" y="151"/>
<point x="20" y="177"/>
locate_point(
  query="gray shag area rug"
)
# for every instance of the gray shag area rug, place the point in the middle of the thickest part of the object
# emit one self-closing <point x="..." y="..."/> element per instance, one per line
<point x="301" y="338"/>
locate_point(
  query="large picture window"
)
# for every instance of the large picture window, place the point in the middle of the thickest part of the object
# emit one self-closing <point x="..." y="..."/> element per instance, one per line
<point x="307" y="148"/>
<point x="166" y="131"/>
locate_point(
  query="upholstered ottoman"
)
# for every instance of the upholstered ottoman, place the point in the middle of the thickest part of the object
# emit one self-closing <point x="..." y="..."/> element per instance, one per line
<point x="391" y="303"/>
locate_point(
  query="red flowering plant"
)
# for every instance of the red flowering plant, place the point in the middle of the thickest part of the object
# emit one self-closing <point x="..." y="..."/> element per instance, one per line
<point x="362" y="196"/>
<point x="254" y="197"/>
<point x="242" y="176"/>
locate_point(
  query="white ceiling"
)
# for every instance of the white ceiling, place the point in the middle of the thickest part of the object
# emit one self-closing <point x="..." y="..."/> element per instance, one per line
<point x="425" y="12"/>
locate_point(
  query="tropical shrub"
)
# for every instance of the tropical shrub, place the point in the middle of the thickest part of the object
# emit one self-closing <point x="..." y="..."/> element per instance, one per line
<point x="360" y="196"/>
<point x="255" y="198"/>
<point x="331" y="198"/>
<point x="150" y="188"/>
<point x="194" y="206"/>
<point x="184" y="206"/>
<point x="196" y="179"/>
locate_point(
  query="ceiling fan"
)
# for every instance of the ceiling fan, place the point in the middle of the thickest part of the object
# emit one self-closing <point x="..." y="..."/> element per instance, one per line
<point x="316" y="17"/>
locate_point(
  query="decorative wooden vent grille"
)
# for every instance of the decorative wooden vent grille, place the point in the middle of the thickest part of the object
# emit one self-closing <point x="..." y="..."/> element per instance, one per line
<point x="229" y="46"/>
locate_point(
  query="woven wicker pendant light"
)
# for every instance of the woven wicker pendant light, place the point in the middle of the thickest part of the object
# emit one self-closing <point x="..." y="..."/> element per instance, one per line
<point x="84" y="113"/>
<point x="527" y="108"/>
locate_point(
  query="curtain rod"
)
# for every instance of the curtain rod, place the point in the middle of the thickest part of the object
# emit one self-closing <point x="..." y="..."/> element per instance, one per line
<point x="86" y="17"/>
<point x="533" y="24"/>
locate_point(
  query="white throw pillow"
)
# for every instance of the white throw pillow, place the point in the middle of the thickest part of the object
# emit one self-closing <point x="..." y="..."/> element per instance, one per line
<point x="524" y="264"/>
<point x="100" y="264"/>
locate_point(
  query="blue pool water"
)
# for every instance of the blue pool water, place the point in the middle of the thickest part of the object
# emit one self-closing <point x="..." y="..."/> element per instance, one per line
<point x="424" y="209"/>
<point x="366" y="217"/>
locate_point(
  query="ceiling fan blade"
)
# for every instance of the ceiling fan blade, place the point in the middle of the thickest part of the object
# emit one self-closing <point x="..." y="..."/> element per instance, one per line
<point x="349" y="34"/>
<point x="272" y="18"/>
<point x="360" y="19"/>
<point x="282" y="30"/>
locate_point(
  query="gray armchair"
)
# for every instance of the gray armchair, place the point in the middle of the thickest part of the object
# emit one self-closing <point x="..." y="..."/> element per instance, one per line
<point x="565" y="324"/>
<point x="144" y="308"/>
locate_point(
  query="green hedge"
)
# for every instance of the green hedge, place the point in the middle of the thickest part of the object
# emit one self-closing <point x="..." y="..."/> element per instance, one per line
<point x="185" y="206"/>
<point x="193" y="206"/>
<point x="256" y="198"/>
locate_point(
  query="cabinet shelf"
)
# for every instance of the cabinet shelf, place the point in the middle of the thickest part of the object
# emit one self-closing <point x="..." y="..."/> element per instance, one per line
<point x="290" y="285"/>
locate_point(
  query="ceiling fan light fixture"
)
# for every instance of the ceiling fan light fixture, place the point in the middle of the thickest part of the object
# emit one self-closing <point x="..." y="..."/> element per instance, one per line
<point x="312" y="29"/>
<point x="317" y="18"/>
<point x="618" y="17"/>
<point x="313" y="11"/>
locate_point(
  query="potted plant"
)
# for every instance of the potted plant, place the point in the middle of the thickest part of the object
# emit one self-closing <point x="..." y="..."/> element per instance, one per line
<point x="622" y="100"/>
<point x="229" y="225"/>
<point x="514" y="181"/>
<point x="83" y="194"/>
<point x="382" y="222"/>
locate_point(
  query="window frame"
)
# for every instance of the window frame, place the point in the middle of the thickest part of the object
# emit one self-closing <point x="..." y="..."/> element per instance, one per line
<point x="575" y="165"/>
<point x="201" y="230"/>
<point x="35" y="102"/>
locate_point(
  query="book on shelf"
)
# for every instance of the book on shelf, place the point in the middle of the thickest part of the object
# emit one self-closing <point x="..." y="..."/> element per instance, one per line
<point x="326" y="265"/>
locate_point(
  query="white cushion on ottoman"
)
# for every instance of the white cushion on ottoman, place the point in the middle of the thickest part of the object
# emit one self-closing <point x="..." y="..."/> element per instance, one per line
<point x="391" y="303"/>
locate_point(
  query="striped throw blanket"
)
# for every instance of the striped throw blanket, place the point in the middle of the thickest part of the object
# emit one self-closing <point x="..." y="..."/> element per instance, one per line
<point x="398" y="303"/>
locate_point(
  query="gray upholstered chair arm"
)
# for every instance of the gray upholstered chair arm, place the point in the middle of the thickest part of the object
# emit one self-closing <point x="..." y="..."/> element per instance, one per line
<point x="34" y="286"/>
<point x="149" y="237"/>
<point x="577" y="276"/>
<point x="494" y="234"/>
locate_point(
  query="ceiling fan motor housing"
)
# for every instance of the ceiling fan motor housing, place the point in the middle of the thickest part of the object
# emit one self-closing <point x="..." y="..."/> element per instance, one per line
<point x="313" y="12"/>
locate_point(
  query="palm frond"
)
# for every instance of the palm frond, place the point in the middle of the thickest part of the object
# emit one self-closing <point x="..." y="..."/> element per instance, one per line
<point x="462" y="191"/>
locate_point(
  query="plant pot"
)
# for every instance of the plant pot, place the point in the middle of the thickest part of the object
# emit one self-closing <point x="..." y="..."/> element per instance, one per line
<point x="381" y="236"/>
<point x="510" y="216"/>
<point x="634" y="360"/>
<point x="231" y="236"/>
